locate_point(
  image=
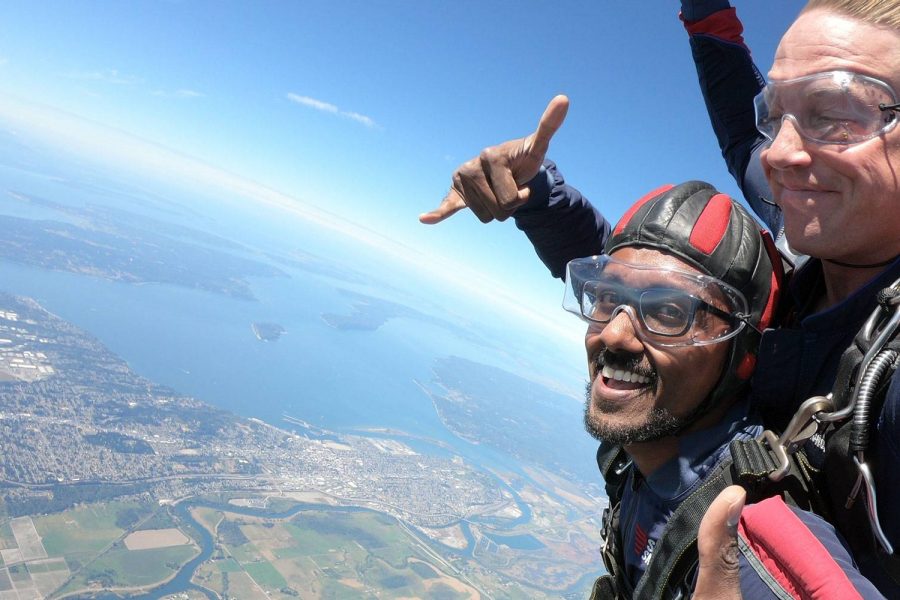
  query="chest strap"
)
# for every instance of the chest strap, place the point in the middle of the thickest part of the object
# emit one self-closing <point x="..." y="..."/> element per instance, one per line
<point x="670" y="572"/>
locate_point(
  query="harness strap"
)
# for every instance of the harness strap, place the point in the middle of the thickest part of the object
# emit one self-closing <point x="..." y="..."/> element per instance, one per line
<point x="604" y="588"/>
<point x="612" y="461"/>
<point x="864" y="376"/>
<point x="614" y="464"/>
<point x="675" y="555"/>
<point x="850" y="511"/>
<point x="753" y="460"/>
<point x="671" y="570"/>
<point x="754" y="463"/>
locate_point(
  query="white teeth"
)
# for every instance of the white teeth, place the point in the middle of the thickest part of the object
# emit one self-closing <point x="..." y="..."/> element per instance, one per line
<point x="622" y="375"/>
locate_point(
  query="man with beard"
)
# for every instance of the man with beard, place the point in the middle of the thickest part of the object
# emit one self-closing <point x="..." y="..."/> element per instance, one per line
<point x="816" y="153"/>
<point x="674" y="309"/>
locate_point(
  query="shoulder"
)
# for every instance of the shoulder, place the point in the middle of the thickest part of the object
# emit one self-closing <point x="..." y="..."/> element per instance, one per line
<point x="785" y="549"/>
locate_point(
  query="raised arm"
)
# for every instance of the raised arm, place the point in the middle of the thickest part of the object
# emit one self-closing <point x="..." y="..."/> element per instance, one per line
<point x="560" y="223"/>
<point x="729" y="81"/>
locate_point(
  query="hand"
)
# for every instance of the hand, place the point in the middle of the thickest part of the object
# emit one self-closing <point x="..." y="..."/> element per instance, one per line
<point x="719" y="575"/>
<point x="492" y="184"/>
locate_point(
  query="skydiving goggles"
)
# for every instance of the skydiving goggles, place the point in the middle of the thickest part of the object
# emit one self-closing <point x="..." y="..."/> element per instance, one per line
<point x="667" y="307"/>
<point x="832" y="107"/>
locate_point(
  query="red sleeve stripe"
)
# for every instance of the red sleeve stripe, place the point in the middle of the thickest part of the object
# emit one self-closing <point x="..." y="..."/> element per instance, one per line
<point x="623" y="222"/>
<point x="777" y="278"/>
<point x="791" y="554"/>
<point x="722" y="24"/>
<point x="712" y="224"/>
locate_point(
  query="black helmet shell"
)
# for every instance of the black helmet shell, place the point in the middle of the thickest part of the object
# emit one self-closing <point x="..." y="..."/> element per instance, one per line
<point x="715" y="234"/>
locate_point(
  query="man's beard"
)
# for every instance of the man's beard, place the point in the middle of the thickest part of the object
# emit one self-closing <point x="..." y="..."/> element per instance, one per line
<point x="660" y="423"/>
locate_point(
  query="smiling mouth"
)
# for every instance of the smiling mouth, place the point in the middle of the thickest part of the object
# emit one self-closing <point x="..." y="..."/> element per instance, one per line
<point x="803" y="188"/>
<point x="622" y="379"/>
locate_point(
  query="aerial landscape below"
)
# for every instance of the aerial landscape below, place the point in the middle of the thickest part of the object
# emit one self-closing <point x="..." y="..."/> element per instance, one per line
<point x="103" y="470"/>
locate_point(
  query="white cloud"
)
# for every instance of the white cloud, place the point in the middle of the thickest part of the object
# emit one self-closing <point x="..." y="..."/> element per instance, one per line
<point x="360" y="118"/>
<point x="331" y="109"/>
<point x="182" y="93"/>
<point x="106" y="76"/>
<point x="313" y="103"/>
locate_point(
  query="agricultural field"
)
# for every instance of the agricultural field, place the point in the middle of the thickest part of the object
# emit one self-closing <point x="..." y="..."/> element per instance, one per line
<point x="325" y="555"/>
<point x="319" y="552"/>
<point x="55" y="555"/>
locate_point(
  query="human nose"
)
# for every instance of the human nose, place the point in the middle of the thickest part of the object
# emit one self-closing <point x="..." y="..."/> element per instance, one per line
<point x="788" y="149"/>
<point x="621" y="332"/>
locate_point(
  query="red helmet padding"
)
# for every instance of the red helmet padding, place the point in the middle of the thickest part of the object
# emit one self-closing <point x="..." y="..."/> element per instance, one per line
<point x="712" y="224"/>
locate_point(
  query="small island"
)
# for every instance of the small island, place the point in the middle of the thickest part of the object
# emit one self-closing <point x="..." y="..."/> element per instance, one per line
<point x="267" y="332"/>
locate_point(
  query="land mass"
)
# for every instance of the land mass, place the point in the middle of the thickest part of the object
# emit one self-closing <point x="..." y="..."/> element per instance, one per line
<point x="486" y="405"/>
<point x="112" y="245"/>
<point x="368" y="313"/>
<point x="267" y="332"/>
<point x="94" y="453"/>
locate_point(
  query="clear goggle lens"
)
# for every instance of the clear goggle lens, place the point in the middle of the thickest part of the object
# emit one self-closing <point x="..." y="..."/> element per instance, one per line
<point x="668" y="307"/>
<point x="833" y="107"/>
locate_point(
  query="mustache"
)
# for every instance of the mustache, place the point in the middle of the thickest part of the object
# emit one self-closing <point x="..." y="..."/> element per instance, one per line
<point x="624" y="361"/>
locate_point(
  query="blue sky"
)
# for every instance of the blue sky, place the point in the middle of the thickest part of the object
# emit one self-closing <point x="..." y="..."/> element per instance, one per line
<point x="365" y="108"/>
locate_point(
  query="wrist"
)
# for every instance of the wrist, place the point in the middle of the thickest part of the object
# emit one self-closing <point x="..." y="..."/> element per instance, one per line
<point x="695" y="10"/>
<point x="539" y="189"/>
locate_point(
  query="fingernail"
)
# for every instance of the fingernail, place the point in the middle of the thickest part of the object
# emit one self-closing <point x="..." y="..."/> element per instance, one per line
<point x="734" y="515"/>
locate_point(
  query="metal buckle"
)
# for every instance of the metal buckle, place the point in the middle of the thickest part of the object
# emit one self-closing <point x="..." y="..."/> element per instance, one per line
<point x="622" y="467"/>
<point x="804" y="424"/>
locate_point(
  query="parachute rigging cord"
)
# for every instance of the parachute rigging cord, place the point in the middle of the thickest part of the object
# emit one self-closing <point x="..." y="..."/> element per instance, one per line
<point x="877" y="362"/>
<point x="879" y="359"/>
<point x="883" y="263"/>
<point x="859" y="438"/>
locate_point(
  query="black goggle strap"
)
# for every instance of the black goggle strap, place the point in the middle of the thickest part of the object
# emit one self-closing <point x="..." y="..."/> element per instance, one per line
<point x="745" y="319"/>
<point x="889" y="107"/>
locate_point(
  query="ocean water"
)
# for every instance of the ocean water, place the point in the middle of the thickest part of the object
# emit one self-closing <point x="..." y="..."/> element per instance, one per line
<point x="201" y="344"/>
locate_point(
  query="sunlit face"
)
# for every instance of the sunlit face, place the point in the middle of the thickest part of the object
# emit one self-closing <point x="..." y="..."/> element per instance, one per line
<point x="839" y="202"/>
<point x="640" y="392"/>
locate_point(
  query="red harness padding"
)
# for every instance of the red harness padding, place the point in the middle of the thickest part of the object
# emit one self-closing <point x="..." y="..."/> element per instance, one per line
<point x="791" y="554"/>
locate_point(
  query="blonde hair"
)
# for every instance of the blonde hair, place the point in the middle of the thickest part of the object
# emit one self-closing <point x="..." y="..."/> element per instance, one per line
<point x="884" y="13"/>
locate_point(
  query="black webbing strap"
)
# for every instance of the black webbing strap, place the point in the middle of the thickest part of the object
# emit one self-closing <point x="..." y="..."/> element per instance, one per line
<point x="614" y="465"/>
<point x="675" y="554"/>
<point x="612" y="461"/>
<point x="752" y="460"/>
<point x="847" y="439"/>
<point x="604" y="589"/>
<point x="675" y="557"/>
